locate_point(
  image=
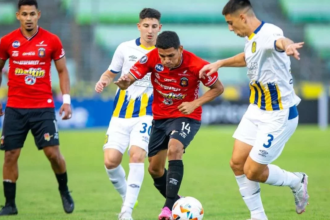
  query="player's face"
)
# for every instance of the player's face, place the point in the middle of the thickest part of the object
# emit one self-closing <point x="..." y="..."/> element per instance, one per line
<point x="170" y="57"/>
<point x="237" y="24"/>
<point x="149" y="28"/>
<point x="28" y="15"/>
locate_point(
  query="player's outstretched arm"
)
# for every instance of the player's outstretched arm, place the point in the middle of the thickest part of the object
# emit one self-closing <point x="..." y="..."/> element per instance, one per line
<point x="215" y="90"/>
<point x="235" y="61"/>
<point x="63" y="75"/>
<point x="105" y="80"/>
<point x="125" y="81"/>
<point x="2" y="64"/>
<point x="290" y="48"/>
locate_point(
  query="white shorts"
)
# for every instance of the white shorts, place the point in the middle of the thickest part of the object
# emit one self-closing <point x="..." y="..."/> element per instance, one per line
<point x="126" y="132"/>
<point x="266" y="131"/>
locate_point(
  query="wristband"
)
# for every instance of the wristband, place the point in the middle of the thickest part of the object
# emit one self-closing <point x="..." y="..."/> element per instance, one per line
<point x="66" y="99"/>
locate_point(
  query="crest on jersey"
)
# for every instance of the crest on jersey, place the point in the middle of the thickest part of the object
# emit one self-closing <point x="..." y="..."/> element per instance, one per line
<point x="47" y="136"/>
<point x="143" y="59"/>
<point x="16" y="44"/>
<point x="184" y="82"/>
<point x="159" y="67"/>
<point x="42" y="52"/>
<point x="254" y="47"/>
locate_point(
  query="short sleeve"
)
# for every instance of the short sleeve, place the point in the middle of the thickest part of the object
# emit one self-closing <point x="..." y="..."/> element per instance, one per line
<point x="117" y="60"/>
<point x="3" y="50"/>
<point x="58" y="50"/>
<point x="207" y="80"/>
<point x="143" y="66"/>
<point x="273" y="35"/>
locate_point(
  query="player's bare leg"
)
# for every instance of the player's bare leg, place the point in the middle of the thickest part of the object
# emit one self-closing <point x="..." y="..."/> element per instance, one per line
<point x="59" y="167"/>
<point x="116" y="173"/>
<point x="134" y="181"/>
<point x="249" y="190"/>
<point x="10" y="176"/>
<point x="274" y="175"/>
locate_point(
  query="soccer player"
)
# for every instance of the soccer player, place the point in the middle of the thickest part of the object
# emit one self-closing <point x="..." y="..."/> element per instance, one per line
<point x="272" y="116"/>
<point x="30" y="104"/>
<point x="132" y="116"/>
<point x="176" y="108"/>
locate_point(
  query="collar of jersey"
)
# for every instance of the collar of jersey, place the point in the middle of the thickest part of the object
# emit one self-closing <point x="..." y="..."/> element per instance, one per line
<point x="138" y="43"/>
<point x="256" y="30"/>
<point x="30" y="37"/>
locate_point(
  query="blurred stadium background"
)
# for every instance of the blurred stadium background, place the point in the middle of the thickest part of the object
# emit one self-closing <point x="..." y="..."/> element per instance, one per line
<point x="91" y="30"/>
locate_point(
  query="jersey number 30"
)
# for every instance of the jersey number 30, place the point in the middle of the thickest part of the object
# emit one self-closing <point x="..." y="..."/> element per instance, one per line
<point x="144" y="129"/>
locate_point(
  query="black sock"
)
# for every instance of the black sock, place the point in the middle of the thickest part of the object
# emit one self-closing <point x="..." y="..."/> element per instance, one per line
<point x="174" y="179"/>
<point x="160" y="184"/>
<point x="10" y="192"/>
<point x="62" y="180"/>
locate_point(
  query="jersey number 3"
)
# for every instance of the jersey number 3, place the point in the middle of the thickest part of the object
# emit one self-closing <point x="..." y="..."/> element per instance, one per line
<point x="271" y="138"/>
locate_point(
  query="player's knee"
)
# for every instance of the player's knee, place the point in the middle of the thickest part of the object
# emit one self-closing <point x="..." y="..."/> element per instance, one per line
<point x="155" y="171"/>
<point x="137" y="157"/>
<point x="54" y="156"/>
<point x="110" y="164"/>
<point x="236" y="165"/>
<point x="11" y="156"/>
<point x="251" y="174"/>
<point x="175" y="151"/>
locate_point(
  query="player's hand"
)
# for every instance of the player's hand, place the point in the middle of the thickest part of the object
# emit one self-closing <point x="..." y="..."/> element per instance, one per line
<point x="292" y="50"/>
<point x="100" y="85"/>
<point x="1" y="112"/>
<point x="123" y="82"/>
<point x="187" y="107"/>
<point x="65" y="111"/>
<point x="209" y="69"/>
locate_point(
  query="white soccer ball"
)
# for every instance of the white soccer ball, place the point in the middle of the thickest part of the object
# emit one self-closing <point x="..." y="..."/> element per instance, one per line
<point x="187" y="208"/>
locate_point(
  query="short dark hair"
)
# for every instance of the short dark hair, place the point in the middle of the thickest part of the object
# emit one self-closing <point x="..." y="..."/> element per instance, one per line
<point x="168" y="39"/>
<point x="235" y="5"/>
<point x="27" y="2"/>
<point x="150" y="13"/>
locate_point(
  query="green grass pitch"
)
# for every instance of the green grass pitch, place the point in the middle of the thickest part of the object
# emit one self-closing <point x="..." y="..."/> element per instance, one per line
<point x="207" y="177"/>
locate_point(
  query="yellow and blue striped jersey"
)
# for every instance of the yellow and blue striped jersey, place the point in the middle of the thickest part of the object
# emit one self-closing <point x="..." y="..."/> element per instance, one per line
<point x="269" y="70"/>
<point x="136" y="101"/>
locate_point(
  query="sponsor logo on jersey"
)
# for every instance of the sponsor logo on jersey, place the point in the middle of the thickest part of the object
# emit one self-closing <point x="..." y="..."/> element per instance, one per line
<point x="15" y="53"/>
<point x="210" y="79"/>
<point x="254" y="47"/>
<point x="16" y="44"/>
<point x="159" y="67"/>
<point x="184" y="82"/>
<point x="132" y="58"/>
<point x="168" y="101"/>
<point x="172" y="95"/>
<point x="30" y="80"/>
<point x="26" y="62"/>
<point x="38" y="73"/>
<point x="41" y="44"/>
<point x="167" y="87"/>
<point x="170" y="80"/>
<point x="42" y="52"/>
<point x="32" y="53"/>
<point x="184" y="73"/>
<point x="143" y="59"/>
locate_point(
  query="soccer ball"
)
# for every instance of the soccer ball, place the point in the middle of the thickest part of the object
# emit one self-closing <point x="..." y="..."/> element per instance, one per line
<point x="187" y="208"/>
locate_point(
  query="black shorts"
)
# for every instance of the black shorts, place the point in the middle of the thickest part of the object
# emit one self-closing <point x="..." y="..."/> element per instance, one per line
<point x="182" y="129"/>
<point x="18" y="122"/>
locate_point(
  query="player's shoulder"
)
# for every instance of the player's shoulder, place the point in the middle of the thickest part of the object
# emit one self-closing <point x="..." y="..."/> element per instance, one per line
<point x="193" y="60"/>
<point x="11" y="35"/>
<point x="271" y="28"/>
<point x="127" y="44"/>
